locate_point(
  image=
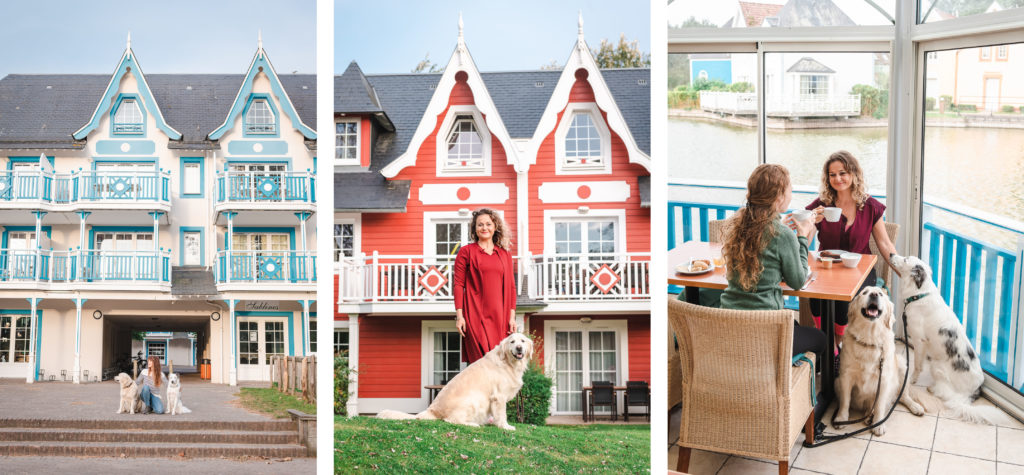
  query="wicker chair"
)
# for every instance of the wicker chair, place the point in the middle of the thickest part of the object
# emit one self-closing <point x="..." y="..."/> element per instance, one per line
<point x="716" y="229"/>
<point x="603" y="394"/>
<point x="638" y="393"/>
<point x="741" y="393"/>
<point x="882" y="269"/>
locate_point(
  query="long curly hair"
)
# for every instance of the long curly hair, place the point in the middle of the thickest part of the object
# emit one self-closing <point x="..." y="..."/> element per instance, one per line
<point x="858" y="188"/>
<point x="750" y="230"/>
<point x="502" y="237"/>
<point x="154" y="370"/>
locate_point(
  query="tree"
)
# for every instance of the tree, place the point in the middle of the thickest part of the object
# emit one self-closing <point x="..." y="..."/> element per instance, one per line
<point x="427" y="67"/>
<point x="623" y="55"/>
<point x="552" y="66"/>
<point x="678" y="70"/>
<point x="694" y="22"/>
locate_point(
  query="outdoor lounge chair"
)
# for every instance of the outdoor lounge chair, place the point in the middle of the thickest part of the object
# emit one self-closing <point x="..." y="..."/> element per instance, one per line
<point x="603" y="394"/>
<point x="741" y="394"/>
<point x="638" y="393"/>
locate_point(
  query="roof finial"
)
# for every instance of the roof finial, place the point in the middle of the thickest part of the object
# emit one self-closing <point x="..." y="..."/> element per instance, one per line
<point x="129" y="45"/>
<point x="579" y="25"/>
<point x="460" y="26"/>
<point x="259" y="39"/>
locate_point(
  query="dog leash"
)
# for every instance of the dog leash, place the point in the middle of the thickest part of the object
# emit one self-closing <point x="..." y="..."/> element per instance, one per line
<point x="819" y="428"/>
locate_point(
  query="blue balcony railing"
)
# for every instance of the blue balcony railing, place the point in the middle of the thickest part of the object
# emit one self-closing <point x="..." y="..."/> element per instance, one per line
<point x="39" y="265"/>
<point x="977" y="279"/>
<point x="88" y="186"/>
<point x="265" y="267"/>
<point x="266" y="187"/>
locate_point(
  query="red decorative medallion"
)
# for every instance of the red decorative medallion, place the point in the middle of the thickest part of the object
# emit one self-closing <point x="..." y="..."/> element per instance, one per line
<point x="605" y="279"/>
<point x="583" y="192"/>
<point x="462" y="194"/>
<point x="432" y="280"/>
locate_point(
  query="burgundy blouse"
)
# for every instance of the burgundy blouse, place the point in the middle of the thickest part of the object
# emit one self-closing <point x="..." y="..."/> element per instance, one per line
<point x="855" y="239"/>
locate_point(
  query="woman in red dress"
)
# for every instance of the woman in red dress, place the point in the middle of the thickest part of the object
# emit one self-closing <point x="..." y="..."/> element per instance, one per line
<point x="485" y="288"/>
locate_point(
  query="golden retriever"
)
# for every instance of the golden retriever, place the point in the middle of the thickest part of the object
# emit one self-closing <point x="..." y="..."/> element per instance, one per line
<point x="478" y="394"/>
<point x="868" y="338"/>
<point x="130" y="401"/>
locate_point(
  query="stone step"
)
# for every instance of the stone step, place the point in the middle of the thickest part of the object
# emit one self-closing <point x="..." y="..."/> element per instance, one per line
<point x="119" y="449"/>
<point x="135" y="435"/>
<point x="150" y="424"/>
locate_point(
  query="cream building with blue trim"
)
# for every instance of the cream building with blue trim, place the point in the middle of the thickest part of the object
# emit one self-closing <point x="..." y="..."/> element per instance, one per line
<point x="168" y="203"/>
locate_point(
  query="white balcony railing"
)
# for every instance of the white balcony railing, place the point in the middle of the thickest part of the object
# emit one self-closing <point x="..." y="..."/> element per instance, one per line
<point x="416" y="278"/>
<point x="745" y="103"/>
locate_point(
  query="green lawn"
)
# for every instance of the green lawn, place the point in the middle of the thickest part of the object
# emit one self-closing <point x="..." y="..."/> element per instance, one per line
<point x="367" y="444"/>
<point x="271" y="402"/>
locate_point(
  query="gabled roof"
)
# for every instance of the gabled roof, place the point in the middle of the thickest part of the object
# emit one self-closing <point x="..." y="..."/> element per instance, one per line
<point x="353" y="94"/>
<point x="755" y="13"/>
<point x="41" y="111"/>
<point x="261" y="63"/>
<point x="812" y="13"/>
<point x="127" y="65"/>
<point x="809" y="65"/>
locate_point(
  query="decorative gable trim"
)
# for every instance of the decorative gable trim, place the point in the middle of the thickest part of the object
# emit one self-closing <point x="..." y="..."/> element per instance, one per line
<point x="580" y="58"/>
<point x="260" y="63"/>
<point x="126" y="66"/>
<point x="460" y="61"/>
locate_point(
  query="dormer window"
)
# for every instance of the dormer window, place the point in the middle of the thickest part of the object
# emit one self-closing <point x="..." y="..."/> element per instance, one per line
<point x="346" y="147"/>
<point x="463" y="143"/>
<point x="583" y="141"/>
<point x="465" y="147"/>
<point x="128" y="118"/>
<point x="260" y="119"/>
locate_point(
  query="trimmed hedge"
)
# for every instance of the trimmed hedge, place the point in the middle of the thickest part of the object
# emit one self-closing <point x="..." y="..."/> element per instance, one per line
<point x="535" y="396"/>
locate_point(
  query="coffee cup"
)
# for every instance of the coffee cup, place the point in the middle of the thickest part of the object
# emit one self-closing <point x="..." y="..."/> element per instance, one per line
<point x="803" y="215"/>
<point x="832" y="214"/>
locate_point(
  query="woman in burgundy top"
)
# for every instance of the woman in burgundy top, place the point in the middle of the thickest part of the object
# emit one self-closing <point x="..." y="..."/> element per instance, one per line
<point x="485" y="288"/>
<point x="842" y="186"/>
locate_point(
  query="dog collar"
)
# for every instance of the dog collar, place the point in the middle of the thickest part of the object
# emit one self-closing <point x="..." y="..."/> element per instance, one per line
<point x="915" y="298"/>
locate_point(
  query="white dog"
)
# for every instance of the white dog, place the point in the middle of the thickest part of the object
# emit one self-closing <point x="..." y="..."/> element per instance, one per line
<point x="130" y="401"/>
<point x="937" y="337"/>
<point x="478" y="394"/>
<point x="869" y="338"/>
<point x="174" y="405"/>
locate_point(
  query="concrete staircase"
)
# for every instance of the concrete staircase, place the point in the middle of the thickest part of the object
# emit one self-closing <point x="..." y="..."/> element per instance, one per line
<point x="149" y="438"/>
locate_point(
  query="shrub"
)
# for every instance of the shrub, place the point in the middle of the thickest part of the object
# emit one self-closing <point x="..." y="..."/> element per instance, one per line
<point x="929" y="103"/>
<point x="1008" y="109"/>
<point x="874" y="102"/>
<point x="535" y="396"/>
<point x="342" y="375"/>
<point x="967" y="107"/>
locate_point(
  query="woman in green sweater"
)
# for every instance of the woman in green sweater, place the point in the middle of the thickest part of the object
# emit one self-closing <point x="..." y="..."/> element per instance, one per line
<point x="760" y="251"/>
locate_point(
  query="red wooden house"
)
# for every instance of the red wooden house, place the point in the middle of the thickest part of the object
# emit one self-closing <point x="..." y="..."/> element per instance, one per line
<point x="564" y="156"/>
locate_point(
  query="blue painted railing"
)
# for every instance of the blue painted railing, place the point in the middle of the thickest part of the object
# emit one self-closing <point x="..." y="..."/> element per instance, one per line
<point x="265" y="266"/>
<point x="26" y="265"/>
<point x="265" y="187"/>
<point x="975" y="278"/>
<point x="85" y="186"/>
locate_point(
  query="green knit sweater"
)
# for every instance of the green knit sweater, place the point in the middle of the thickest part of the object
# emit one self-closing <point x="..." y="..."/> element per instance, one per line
<point x="784" y="259"/>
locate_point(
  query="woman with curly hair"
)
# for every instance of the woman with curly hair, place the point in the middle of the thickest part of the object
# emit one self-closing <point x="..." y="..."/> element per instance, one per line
<point x="842" y="186"/>
<point x="484" y="286"/>
<point x="760" y="251"/>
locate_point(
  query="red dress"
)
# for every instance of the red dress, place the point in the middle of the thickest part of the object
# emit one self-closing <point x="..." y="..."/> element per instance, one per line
<point x="485" y="290"/>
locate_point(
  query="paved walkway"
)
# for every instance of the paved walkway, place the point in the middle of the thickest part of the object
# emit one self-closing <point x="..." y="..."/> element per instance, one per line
<point x="106" y="465"/>
<point x="92" y="401"/>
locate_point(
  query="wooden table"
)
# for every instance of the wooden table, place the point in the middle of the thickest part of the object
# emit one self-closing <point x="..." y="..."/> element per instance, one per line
<point x="583" y="398"/>
<point x="840" y="283"/>
<point x="434" y="389"/>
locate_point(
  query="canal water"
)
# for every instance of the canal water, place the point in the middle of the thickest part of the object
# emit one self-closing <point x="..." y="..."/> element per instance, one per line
<point x="978" y="168"/>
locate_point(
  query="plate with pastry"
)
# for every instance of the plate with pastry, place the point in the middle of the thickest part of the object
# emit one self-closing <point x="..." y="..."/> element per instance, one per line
<point x="695" y="266"/>
<point x="833" y="254"/>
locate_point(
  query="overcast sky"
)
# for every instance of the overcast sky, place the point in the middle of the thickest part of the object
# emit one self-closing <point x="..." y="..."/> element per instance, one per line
<point x="180" y="36"/>
<point x="389" y="36"/>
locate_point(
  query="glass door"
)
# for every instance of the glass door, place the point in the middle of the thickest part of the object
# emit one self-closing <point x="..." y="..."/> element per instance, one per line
<point x="15" y="337"/>
<point x="260" y="256"/>
<point x="259" y="340"/>
<point x="582" y="357"/>
<point x="257" y="181"/>
<point x="20" y="259"/>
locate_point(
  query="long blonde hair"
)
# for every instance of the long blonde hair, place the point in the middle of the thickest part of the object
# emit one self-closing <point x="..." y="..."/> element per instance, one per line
<point x="153" y="364"/>
<point x="501" y="238"/>
<point x="750" y="230"/>
<point x="858" y="189"/>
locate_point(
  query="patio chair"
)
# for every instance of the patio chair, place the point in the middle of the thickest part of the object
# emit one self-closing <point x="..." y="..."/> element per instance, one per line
<point x="741" y="393"/>
<point x="602" y="394"/>
<point x="716" y="229"/>
<point x="638" y="393"/>
<point x="882" y="270"/>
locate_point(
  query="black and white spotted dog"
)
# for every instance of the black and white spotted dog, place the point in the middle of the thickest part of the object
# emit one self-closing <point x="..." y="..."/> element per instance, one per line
<point x="938" y="339"/>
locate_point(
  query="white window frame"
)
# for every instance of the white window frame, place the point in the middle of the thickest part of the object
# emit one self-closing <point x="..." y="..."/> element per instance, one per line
<point x="825" y="84"/>
<point x="248" y="121"/>
<point x="605" y="164"/>
<point x="621" y="329"/>
<point x="341" y="329"/>
<point x="427" y="329"/>
<point x="126" y="120"/>
<point x="560" y="215"/>
<point x="356" y="221"/>
<point x="431" y="218"/>
<point x="193" y="185"/>
<point x="359" y="141"/>
<point x="442" y="142"/>
<point x="311" y="335"/>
